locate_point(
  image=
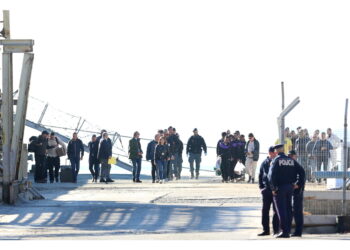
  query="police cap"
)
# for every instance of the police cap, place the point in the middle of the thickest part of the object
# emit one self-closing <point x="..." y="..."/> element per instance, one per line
<point x="278" y="146"/>
<point x="292" y="152"/>
<point x="271" y="149"/>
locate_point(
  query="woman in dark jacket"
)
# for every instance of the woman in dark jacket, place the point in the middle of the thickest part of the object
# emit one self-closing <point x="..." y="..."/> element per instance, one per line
<point x="225" y="152"/>
<point x="161" y="156"/>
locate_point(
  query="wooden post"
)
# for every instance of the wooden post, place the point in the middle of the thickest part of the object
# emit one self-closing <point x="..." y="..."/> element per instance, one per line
<point x="21" y="112"/>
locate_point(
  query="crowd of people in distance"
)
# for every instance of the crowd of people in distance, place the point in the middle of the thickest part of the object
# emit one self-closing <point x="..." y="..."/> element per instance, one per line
<point x="316" y="152"/>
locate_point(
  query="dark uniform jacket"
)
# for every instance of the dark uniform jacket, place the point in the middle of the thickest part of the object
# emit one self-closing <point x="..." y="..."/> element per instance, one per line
<point x="75" y="148"/>
<point x="195" y="145"/>
<point x="263" y="174"/>
<point x="284" y="171"/>
<point x="161" y="152"/>
<point x="225" y="151"/>
<point x="236" y="149"/>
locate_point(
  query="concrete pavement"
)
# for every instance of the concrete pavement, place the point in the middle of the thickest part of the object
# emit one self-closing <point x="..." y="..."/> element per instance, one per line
<point x="179" y="210"/>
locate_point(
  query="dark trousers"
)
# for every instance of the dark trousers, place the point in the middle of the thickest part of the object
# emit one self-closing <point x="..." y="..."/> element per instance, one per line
<point x="224" y="167"/>
<point x="94" y="167"/>
<point x="168" y="171"/>
<point x="195" y="158"/>
<point x="267" y="202"/>
<point x="75" y="164"/>
<point x="136" y="168"/>
<point x="53" y="162"/>
<point x="40" y="168"/>
<point x="283" y="203"/>
<point x="233" y="164"/>
<point x="298" y="215"/>
<point x="322" y="159"/>
<point x="154" y="170"/>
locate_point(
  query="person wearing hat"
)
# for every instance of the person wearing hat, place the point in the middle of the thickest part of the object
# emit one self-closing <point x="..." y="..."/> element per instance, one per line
<point x="297" y="207"/>
<point x="195" y="146"/>
<point x="252" y="150"/>
<point x="267" y="196"/>
<point x="284" y="176"/>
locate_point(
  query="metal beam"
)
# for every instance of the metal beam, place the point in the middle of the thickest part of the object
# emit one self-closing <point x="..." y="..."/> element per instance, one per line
<point x="345" y="161"/>
<point x="284" y="113"/>
<point x="21" y="112"/>
<point x="17" y="45"/>
<point x="6" y="27"/>
<point x="7" y="119"/>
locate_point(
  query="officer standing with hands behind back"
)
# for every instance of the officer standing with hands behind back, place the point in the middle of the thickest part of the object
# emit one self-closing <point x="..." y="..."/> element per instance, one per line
<point x="267" y="196"/>
<point x="284" y="176"/>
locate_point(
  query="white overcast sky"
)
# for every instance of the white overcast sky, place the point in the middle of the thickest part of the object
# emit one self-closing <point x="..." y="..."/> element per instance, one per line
<point x="143" y="65"/>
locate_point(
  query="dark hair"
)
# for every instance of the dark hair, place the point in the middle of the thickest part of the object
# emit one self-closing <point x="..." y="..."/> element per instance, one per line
<point x="52" y="134"/>
<point x="93" y="135"/>
<point x="251" y="135"/>
<point x="223" y="134"/>
<point x="135" y="133"/>
<point x="45" y="132"/>
<point x="174" y="129"/>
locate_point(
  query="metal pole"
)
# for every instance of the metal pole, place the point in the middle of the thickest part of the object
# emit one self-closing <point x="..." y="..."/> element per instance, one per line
<point x="345" y="157"/>
<point x="21" y="112"/>
<point x="7" y="118"/>
<point x="42" y="114"/>
<point x="283" y="120"/>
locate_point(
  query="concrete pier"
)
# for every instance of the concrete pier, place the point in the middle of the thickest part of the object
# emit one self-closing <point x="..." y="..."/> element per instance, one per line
<point x="178" y="210"/>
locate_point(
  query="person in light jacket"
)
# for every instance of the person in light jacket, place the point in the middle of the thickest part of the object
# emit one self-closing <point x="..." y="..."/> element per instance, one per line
<point x="53" y="160"/>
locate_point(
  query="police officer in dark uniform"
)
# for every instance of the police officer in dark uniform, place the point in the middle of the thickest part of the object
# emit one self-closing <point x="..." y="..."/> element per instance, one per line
<point x="267" y="196"/>
<point x="284" y="175"/>
<point x="297" y="207"/>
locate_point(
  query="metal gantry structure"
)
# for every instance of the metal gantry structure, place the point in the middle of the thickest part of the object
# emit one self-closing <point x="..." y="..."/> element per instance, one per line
<point x="14" y="152"/>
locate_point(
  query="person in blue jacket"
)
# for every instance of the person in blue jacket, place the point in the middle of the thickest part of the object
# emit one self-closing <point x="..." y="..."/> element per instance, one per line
<point x="297" y="207"/>
<point x="267" y="196"/>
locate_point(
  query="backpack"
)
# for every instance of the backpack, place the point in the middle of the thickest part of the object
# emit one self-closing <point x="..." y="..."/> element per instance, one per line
<point x="32" y="147"/>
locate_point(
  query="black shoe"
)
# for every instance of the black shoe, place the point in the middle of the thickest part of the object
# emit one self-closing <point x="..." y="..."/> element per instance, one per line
<point x="153" y="181"/>
<point x="250" y="178"/>
<point x="56" y="179"/>
<point x="197" y="175"/>
<point x="282" y="235"/>
<point x="102" y="180"/>
<point x="264" y="233"/>
<point x="93" y="180"/>
<point x="138" y="181"/>
<point x="192" y="175"/>
<point x="296" y="235"/>
<point x="109" y="180"/>
<point x="51" y="181"/>
<point x="253" y="180"/>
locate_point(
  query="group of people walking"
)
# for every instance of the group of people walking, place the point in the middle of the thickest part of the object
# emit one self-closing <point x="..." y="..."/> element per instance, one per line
<point x="233" y="148"/>
<point x="48" y="148"/>
<point x="165" y="154"/>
